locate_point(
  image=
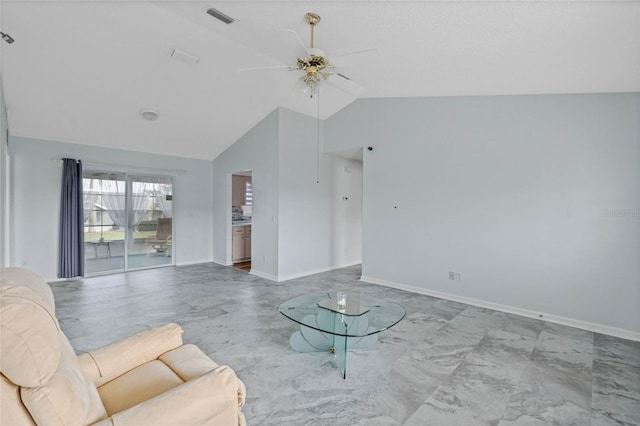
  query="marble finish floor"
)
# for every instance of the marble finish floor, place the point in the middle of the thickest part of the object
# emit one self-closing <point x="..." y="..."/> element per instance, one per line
<point x="446" y="363"/>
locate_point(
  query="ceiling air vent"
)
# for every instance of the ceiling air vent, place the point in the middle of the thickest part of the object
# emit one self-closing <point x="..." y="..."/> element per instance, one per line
<point x="184" y="57"/>
<point x="220" y="16"/>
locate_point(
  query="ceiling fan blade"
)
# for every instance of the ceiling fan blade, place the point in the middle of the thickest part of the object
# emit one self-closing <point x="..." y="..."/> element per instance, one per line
<point x="303" y="49"/>
<point x="276" y="67"/>
<point x="344" y="83"/>
<point x="284" y="46"/>
<point x="357" y="58"/>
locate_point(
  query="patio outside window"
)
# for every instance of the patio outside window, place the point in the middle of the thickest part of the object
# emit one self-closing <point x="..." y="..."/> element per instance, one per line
<point x="127" y="221"/>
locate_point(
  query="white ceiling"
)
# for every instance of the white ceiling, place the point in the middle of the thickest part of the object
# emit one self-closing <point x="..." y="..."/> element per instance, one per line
<point x="81" y="70"/>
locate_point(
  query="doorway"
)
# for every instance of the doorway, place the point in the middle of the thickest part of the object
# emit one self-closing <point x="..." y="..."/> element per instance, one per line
<point x="128" y="222"/>
<point x="241" y="219"/>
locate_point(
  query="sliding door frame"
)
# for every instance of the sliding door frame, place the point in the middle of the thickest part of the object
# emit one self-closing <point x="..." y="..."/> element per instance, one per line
<point x="128" y="200"/>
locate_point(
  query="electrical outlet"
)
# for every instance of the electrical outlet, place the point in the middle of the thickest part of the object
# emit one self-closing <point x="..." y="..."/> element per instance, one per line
<point x="458" y="276"/>
<point x="452" y="276"/>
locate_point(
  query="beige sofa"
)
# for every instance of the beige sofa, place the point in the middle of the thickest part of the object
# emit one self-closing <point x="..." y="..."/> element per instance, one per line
<point x="147" y="379"/>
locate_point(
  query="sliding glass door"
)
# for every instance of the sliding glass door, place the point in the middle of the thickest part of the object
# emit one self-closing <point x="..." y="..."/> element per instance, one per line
<point x="150" y="222"/>
<point x="128" y="221"/>
<point x="104" y="219"/>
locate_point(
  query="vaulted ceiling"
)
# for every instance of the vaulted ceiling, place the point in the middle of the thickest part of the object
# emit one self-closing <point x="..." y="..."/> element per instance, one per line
<point x="80" y="71"/>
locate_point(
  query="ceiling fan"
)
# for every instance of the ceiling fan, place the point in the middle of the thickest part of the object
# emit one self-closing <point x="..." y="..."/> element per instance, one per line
<point x="317" y="68"/>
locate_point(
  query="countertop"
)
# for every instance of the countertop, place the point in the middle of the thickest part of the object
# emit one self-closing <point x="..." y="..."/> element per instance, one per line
<point x="240" y="223"/>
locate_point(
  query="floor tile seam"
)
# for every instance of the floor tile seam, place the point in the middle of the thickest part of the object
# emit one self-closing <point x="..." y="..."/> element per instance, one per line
<point x="522" y="384"/>
<point x="567" y="333"/>
<point x="617" y="395"/>
<point x="621" y="362"/>
<point x="423" y="403"/>
<point x="560" y="364"/>
<point x="616" y="364"/>
<point x="537" y="416"/>
<point x="519" y="363"/>
<point x="539" y="348"/>
<point x="516" y="336"/>
<point x="505" y="398"/>
<point x="520" y="369"/>
<point x="424" y="336"/>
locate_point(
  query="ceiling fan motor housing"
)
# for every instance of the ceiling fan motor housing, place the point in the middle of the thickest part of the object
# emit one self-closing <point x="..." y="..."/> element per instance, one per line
<point x="313" y="61"/>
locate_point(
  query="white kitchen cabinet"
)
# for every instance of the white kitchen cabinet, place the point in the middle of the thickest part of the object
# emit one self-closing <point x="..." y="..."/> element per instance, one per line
<point x="241" y="243"/>
<point x="247" y="242"/>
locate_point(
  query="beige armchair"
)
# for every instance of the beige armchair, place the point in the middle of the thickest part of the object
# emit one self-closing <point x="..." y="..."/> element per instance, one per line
<point x="150" y="378"/>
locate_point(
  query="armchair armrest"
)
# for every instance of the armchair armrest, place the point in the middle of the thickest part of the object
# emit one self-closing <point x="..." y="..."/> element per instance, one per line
<point x="108" y="362"/>
<point x="214" y="398"/>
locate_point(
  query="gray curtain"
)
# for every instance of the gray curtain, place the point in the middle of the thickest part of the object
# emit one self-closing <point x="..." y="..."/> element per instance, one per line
<point x="71" y="260"/>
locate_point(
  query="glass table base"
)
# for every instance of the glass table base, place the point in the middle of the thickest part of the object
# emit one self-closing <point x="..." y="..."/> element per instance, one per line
<point x="312" y="340"/>
<point x="327" y="325"/>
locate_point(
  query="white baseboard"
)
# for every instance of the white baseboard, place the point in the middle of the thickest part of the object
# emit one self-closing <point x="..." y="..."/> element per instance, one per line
<point x="584" y="325"/>
<point x="346" y="265"/>
<point x="281" y="278"/>
<point x="221" y="262"/>
<point x="264" y="275"/>
<point x="196" y="262"/>
<point x="313" y="272"/>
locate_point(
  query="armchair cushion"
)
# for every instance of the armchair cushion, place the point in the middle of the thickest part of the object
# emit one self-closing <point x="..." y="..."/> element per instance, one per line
<point x="208" y="399"/>
<point x="138" y="385"/>
<point x="188" y="362"/>
<point x="13" y="411"/>
<point x="68" y="398"/>
<point x="29" y="331"/>
<point x="111" y="361"/>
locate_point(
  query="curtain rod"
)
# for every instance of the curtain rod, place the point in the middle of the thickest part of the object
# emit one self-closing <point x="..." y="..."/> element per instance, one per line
<point x="132" y="168"/>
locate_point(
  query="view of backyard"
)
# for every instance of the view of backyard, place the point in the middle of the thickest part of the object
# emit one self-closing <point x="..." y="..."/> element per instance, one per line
<point x="127" y="221"/>
<point x="115" y="235"/>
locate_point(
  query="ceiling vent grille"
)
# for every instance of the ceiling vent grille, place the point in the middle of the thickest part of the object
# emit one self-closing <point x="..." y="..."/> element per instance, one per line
<point x="184" y="57"/>
<point x="220" y="16"/>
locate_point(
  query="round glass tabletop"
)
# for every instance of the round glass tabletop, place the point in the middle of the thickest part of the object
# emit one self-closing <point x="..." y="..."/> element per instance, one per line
<point x="361" y="316"/>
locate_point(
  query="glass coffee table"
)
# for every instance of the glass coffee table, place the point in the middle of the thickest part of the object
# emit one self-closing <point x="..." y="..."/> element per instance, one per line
<point x="325" y="325"/>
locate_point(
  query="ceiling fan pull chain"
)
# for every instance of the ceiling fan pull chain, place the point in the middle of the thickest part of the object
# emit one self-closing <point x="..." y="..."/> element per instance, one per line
<point x="318" y="140"/>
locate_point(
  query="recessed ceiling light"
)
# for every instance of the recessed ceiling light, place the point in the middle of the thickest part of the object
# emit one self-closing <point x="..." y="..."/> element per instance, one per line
<point x="149" y="114"/>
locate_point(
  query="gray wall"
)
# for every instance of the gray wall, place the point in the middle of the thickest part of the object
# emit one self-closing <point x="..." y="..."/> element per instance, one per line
<point x="35" y="199"/>
<point x="299" y="227"/>
<point x="256" y="151"/>
<point x="318" y="230"/>
<point x="4" y="181"/>
<point x="533" y="199"/>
